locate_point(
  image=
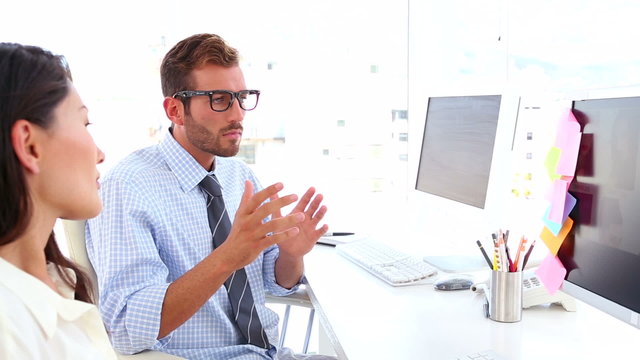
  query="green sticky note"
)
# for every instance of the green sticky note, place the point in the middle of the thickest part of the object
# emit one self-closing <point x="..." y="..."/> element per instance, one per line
<point x="551" y="162"/>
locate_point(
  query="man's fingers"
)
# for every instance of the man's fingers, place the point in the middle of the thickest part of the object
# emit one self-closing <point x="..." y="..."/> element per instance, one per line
<point x="282" y="224"/>
<point x="304" y="200"/>
<point x="277" y="213"/>
<point x="323" y="230"/>
<point x="315" y="204"/>
<point x="279" y="237"/>
<point x="319" y="215"/>
<point x="273" y="207"/>
<point x="246" y="195"/>
<point x="252" y="201"/>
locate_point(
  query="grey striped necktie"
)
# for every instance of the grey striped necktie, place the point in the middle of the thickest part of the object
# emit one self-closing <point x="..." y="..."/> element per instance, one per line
<point x="237" y="285"/>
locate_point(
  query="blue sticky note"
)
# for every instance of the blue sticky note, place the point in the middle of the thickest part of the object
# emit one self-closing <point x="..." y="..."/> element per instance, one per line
<point x="553" y="226"/>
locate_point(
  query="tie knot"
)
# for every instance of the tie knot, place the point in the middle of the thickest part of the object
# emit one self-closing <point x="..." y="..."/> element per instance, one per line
<point x="211" y="185"/>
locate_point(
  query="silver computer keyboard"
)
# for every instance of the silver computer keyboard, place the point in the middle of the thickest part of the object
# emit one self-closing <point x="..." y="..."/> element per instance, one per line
<point x="393" y="266"/>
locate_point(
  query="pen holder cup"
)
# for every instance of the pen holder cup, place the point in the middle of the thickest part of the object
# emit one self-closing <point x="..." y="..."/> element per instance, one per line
<point x="505" y="303"/>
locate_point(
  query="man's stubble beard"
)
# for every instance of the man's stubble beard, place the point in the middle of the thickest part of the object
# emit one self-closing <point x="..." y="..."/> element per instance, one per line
<point x="200" y="137"/>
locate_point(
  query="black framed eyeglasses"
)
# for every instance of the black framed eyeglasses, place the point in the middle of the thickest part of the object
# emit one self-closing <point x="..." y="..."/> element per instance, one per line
<point x="221" y="100"/>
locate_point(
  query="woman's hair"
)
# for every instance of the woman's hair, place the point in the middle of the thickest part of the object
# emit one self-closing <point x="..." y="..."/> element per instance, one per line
<point x="191" y="53"/>
<point x="33" y="82"/>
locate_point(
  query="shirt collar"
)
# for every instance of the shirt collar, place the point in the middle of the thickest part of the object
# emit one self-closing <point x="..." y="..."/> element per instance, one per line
<point x="44" y="303"/>
<point x="188" y="171"/>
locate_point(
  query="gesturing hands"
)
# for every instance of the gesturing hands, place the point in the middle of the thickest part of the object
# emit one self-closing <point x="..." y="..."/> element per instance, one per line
<point x="302" y="242"/>
<point x="248" y="235"/>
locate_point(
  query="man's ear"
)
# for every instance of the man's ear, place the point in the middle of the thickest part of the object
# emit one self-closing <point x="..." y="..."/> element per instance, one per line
<point x="23" y="139"/>
<point x="174" y="108"/>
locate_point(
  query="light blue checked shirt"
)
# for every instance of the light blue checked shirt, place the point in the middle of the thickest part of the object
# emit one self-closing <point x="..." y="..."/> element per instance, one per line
<point x="152" y="230"/>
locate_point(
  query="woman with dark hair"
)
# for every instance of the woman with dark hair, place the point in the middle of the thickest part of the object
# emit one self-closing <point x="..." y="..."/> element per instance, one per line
<point x="47" y="171"/>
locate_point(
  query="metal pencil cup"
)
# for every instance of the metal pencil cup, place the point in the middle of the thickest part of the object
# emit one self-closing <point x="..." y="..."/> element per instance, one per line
<point x="505" y="304"/>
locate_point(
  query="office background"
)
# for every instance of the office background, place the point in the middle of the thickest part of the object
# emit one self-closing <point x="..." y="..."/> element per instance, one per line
<point x="344" y="83"/>
<point x="341" y="80"/>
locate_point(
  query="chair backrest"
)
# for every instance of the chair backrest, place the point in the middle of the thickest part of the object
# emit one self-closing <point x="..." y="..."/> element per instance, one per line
<point x="74" y="233"/>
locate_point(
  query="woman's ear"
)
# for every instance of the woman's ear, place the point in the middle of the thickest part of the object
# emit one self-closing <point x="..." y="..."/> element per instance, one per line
<point x="174" y="108"/>
<point x="23" y="139"/>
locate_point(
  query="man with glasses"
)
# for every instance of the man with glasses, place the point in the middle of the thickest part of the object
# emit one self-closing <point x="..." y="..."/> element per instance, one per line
<point x="185" y="248"/>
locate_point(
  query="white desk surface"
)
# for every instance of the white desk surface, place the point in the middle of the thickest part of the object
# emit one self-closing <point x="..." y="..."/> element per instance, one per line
<point x="369" y="319"/>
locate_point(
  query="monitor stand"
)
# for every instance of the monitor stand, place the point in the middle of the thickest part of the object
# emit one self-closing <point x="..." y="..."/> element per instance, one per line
<point x="458" y="263"/>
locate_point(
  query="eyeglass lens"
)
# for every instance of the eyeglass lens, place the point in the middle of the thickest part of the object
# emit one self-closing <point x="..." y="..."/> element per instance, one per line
<point x="222" y="101"/>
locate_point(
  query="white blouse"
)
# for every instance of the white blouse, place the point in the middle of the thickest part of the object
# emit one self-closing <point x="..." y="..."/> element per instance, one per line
<point x="38" y="323"/>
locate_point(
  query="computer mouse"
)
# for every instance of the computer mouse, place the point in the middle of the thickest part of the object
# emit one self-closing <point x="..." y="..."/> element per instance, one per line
<point x="453" y="283"/>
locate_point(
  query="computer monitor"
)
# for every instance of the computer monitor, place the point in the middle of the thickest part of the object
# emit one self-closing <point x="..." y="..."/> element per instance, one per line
<point x="457" y="147"/>
<point x="463" y="166"/>
<point x="602" y="252"/>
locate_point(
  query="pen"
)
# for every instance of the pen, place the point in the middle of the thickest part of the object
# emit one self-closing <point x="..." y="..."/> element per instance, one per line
<point x="484" y="254"/>
<point x="526" y="257"/>
<point x="510" y="262"/>
<point x="338" y="233"/>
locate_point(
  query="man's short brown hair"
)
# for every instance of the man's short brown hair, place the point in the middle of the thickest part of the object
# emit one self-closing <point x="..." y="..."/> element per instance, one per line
<point x="192" y="53"/>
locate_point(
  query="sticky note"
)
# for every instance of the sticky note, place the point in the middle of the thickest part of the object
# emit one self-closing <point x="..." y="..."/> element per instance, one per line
<point x="552" y="241"/>
<point x="569" y="203"/>
<point x="558" y="197"/>
<point x="567" y="127"/>
<point x="569" y="159"/>
<point x="551" y="272"/>
<point x="568" y="179"/>
<point x="551" y="162"/>
<point x="554" y="227"/>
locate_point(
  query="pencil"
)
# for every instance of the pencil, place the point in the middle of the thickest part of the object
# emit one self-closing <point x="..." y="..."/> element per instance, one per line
<point x="526" y="257"/>
<point x="484" y="254"/>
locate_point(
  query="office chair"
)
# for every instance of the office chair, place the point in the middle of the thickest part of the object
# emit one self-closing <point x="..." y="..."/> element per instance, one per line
<point x="74" y="231"/>
<point x="74" y="234"/>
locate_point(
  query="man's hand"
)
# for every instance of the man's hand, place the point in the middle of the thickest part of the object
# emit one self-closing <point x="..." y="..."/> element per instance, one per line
<point x="290" y="264"/>
<point x="248" y="235"/>
<point x="301" y="243"/>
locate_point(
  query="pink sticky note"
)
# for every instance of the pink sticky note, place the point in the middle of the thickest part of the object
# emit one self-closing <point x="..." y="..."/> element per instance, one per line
<point x="558" y="198"/>
<point x="567" y="126"/>
<point x="568" y="138"/>
<point x="569" y="159"/>
<point x="551" y="272"/>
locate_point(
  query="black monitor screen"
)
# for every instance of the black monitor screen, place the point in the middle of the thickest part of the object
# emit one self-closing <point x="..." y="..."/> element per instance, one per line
<point x="602" y="253"/>
<point x="457" y="147"/>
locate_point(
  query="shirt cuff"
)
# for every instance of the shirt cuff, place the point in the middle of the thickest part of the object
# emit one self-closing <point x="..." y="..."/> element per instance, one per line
<point x="274" y="289"/>
<point x="144" y="310"/>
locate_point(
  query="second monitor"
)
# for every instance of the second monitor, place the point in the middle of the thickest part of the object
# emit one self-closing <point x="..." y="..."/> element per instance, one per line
<point x="463" y="161"/>
<point x="457" y="147"/>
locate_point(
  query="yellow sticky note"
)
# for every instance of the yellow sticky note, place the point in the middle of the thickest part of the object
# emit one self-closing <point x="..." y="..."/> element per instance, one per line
<point x="551" y="162"/>
<point x="553" y="242"/>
